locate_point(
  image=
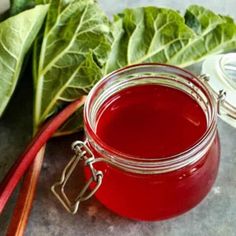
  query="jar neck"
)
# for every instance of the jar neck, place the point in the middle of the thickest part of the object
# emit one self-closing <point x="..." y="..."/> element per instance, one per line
<point x="156" y="74"/>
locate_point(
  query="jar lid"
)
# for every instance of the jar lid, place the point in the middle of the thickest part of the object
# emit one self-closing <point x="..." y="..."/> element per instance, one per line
<point x="221" y="78"/>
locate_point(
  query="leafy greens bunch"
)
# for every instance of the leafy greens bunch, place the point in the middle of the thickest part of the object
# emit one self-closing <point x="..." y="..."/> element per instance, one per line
<point x="75" y="44"/>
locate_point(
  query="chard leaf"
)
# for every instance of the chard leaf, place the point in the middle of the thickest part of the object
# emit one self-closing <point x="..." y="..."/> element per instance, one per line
<point x="151" y="34"/>
<point x="147" y="34"/>
<point x="74" y="49"/>
<point x="69" y="66"/>
<point x="17" y="34"/>
<point x="214" y="34"/>
<point x="72" y="125"/>
<point x="17" y="6"/>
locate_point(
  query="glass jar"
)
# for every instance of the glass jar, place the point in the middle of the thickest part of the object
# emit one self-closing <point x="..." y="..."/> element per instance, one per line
<point x="146" y="188"/>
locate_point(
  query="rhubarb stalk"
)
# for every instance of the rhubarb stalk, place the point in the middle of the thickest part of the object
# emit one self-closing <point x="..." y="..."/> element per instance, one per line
<point x="26" y="158"/>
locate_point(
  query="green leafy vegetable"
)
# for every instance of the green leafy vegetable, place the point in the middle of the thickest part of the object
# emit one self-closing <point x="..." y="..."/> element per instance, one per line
<point x="151" y="34"/>
<point x="147" y="34"/>
<point x="74" y="49"/>
<point x="71" y="61"/>
<point x="17" y="33"/>
<point x="79" y="45"/>
<point x="213" y="34"/>
<point x="73" y="124"/>
<point x="17" y="6"/>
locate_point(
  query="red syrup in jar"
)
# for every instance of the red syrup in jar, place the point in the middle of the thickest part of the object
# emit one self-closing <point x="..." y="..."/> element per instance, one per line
<point x="154" y="121"/>
<point x="150" y="121"/>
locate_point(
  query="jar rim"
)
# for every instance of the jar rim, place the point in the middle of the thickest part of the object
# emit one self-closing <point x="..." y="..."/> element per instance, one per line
<point x="163" y="164"/>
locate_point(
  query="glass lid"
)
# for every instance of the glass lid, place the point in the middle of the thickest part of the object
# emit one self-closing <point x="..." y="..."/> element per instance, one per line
<point x="219" y="72"/>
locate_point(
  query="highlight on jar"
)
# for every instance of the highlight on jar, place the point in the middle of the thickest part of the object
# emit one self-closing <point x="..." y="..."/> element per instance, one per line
<point x="151" y="149"/>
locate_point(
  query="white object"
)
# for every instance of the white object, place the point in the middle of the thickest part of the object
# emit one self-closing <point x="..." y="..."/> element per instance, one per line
<point x="221" y="71"/>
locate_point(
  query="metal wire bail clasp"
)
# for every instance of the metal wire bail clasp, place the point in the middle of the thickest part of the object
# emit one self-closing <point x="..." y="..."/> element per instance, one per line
<point x="220" y="96"/>
<point x="83" y="152"/>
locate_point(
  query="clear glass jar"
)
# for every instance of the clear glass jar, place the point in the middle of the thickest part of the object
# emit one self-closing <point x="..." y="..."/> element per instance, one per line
<point x="141" y="188"/>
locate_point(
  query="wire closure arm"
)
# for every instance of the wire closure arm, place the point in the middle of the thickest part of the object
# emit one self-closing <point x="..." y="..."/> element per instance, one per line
<point x="224" y="109"/>
<point x="82" y="152"/>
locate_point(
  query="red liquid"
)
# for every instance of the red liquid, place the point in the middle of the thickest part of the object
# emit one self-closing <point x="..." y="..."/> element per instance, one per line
<point x="151" y="121"/>
<point x="154" y="121"/>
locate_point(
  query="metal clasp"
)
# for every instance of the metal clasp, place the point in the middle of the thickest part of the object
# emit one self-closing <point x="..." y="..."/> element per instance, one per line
<point x="82" y="152"/>
<point x="225" y="110"/>
<point x="220" y="96"/>
<point x="220" y="99"/>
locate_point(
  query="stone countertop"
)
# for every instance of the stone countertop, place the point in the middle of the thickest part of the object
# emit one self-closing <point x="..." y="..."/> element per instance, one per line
<point x="214" y="216"/>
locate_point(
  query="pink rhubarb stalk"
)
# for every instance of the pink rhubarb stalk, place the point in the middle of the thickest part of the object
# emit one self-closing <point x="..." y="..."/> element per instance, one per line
<point x="26" y="158"/>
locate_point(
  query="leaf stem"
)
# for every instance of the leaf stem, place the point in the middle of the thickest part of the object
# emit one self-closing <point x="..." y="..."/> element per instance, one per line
<point x="25" y="159"/>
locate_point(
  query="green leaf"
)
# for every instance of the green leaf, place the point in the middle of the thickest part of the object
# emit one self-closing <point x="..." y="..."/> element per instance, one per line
<point x="17" y="6"/>
<point x="147" y="34"/>
<point x="16" y="37"/>
<point x="214" y="34"/>
<point x="73" y="58"/>
<point x="151" y="34"/>
<point x="72" y="125"/>
<point x="74" y="49"/>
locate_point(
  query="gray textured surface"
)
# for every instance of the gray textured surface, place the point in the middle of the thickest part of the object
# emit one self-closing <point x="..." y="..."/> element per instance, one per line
<point x="215" y="216"/>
